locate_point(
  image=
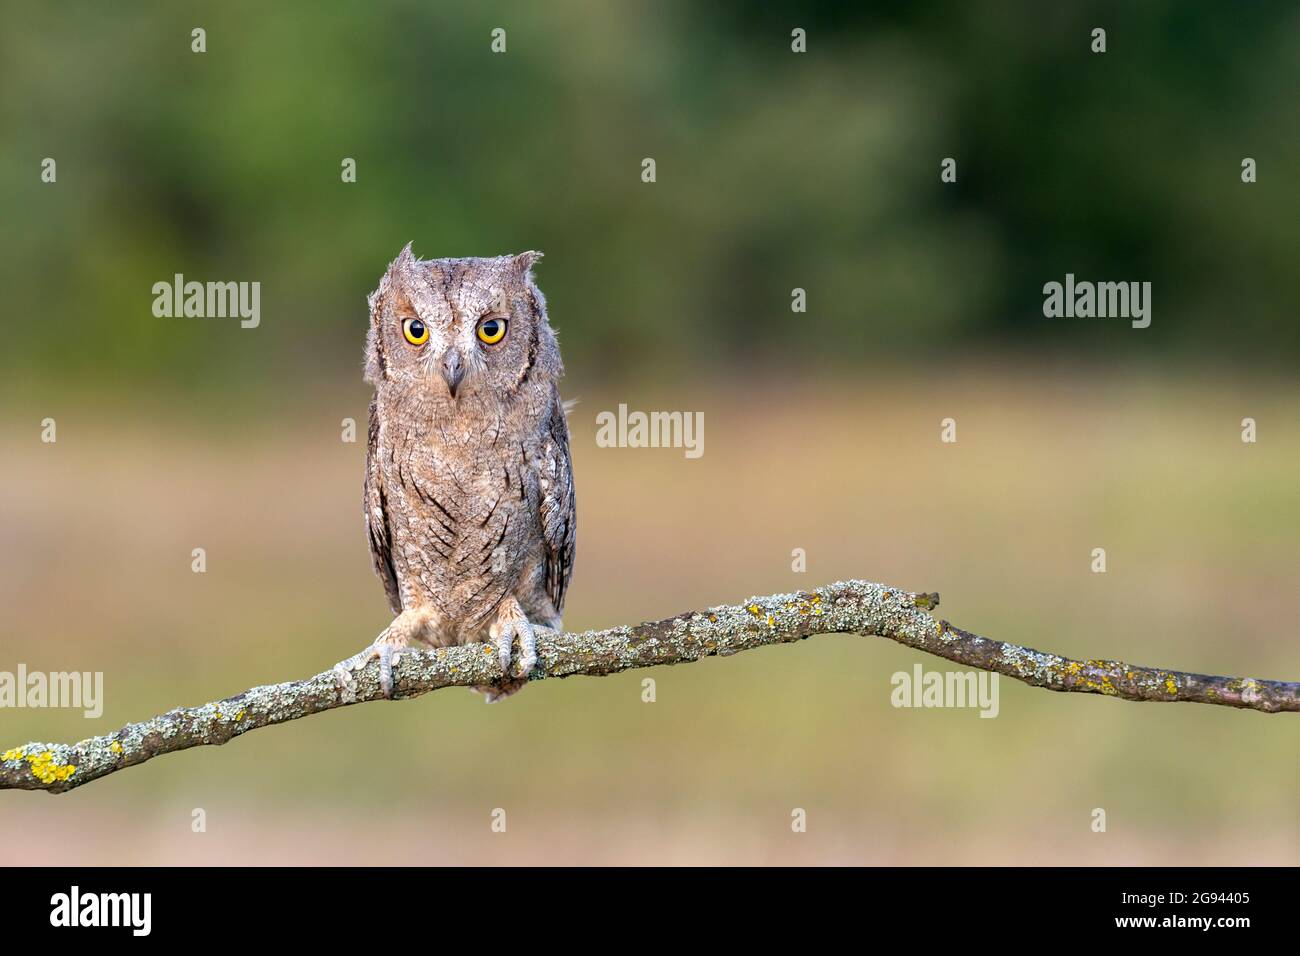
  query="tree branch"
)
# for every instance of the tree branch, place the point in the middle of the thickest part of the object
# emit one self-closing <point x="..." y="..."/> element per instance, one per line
<point x="850" y="607"/>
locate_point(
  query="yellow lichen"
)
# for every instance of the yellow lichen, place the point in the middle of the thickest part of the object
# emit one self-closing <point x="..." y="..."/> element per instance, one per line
<point x="1170" y="686"/>
<point x="115" y="747"/>
<point x="754" y="609"/>
<point x="47" y="770"/>
<point x="15" y="754"/>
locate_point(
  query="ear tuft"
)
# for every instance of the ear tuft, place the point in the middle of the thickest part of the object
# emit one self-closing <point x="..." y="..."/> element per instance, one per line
<point x="404" y="260"/>
<point x="525" y="261"/>
<point x="405" y="257"/>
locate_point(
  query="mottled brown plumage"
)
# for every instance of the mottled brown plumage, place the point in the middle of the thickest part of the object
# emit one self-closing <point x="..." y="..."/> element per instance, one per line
<point x="469" y="502"/>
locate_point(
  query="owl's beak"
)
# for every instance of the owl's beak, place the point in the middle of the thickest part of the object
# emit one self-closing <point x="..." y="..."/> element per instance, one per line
<point x="453" y="370"/>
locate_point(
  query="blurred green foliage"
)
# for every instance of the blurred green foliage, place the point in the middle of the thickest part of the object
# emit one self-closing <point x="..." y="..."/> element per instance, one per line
<point x="775" y="171"/>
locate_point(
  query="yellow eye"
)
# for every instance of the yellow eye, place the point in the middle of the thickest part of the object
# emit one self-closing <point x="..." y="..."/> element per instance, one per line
<point x="492" y="331"/>
<point x="416" y="332"/>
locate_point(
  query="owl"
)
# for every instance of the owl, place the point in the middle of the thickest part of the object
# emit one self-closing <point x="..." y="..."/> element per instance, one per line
<point x="468" y="496"/>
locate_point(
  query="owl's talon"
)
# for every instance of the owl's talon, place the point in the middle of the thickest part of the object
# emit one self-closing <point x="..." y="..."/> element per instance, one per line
<point x="344" y="670"/>
<point x="388" y="656"/>
<point x="527" y="649"/>
<point x="388" y="648"/>
<point x="528" y="659"/>
<point x="506" y="632"/>
<point x="511" y="623"/>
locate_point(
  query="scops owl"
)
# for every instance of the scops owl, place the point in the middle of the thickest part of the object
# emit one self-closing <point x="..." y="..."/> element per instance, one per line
<point x="468" y="499"/>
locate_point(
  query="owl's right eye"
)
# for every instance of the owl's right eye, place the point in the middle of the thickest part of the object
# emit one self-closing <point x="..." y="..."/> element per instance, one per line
<point x="416" y="332"/>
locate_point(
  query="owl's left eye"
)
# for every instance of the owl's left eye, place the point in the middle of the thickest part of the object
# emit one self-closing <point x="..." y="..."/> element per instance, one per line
<point x="416" y="332"/>
<point x="491" y="330"/>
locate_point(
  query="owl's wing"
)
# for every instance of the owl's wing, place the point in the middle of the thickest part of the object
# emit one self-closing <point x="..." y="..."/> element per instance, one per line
<point x="381" y="542"/>
<point x="557" y="504"/>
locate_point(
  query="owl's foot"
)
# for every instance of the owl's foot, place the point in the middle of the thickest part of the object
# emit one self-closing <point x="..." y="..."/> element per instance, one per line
<point x="388" y="654"/>
<point x="512" y="622"/>
<point x="405" y="629"/>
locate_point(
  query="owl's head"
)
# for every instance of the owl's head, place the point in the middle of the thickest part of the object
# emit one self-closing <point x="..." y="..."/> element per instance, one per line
<point x="457" y="329"/>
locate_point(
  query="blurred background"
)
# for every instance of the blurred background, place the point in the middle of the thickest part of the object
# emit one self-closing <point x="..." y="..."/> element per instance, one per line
<point x="775" y="171"/>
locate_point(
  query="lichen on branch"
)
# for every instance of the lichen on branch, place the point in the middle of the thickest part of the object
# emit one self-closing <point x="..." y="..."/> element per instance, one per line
<point x="846" y="607"/>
